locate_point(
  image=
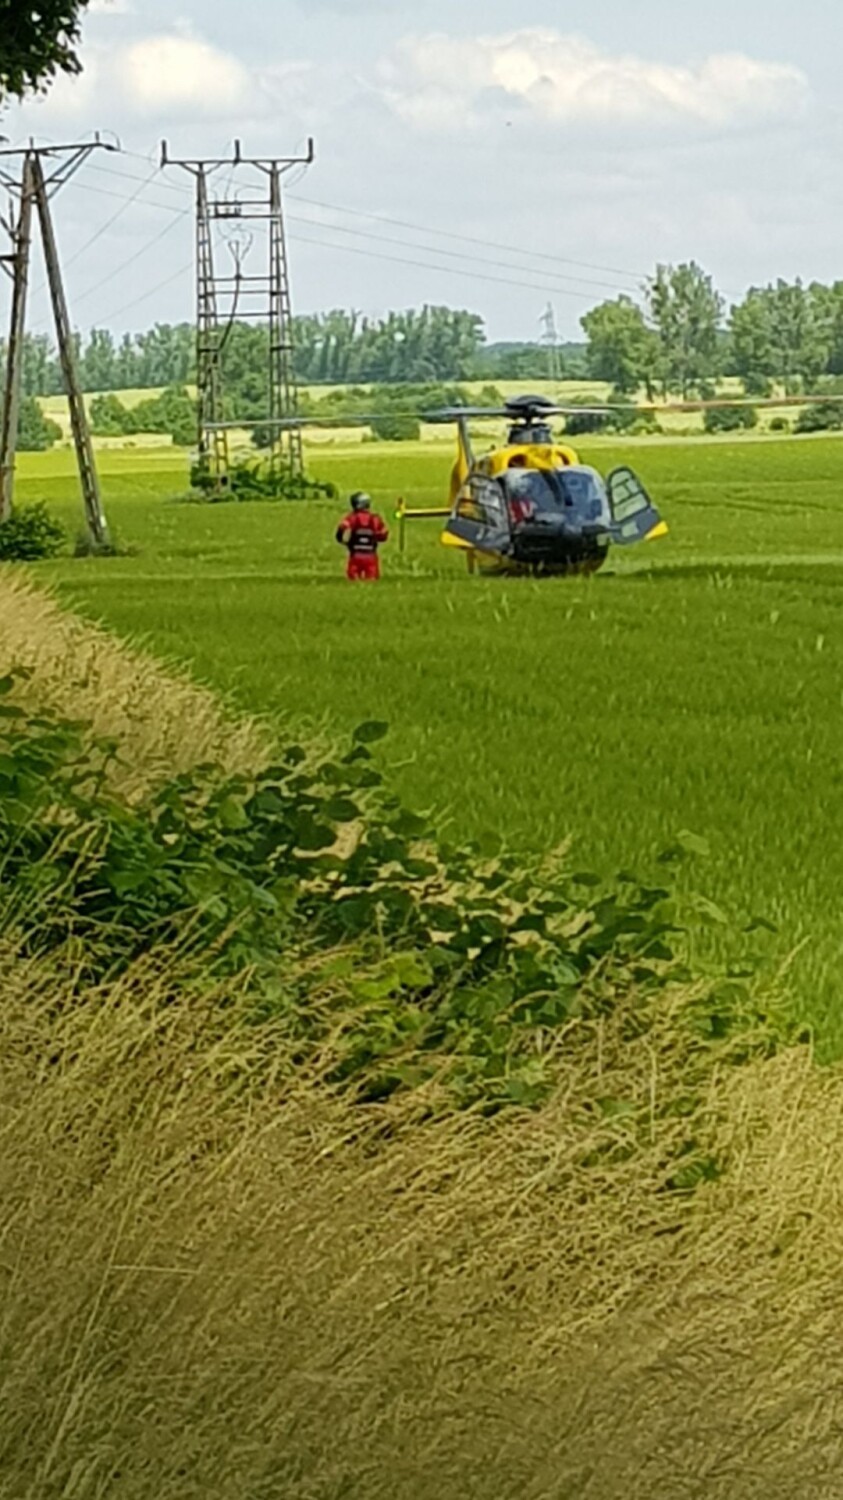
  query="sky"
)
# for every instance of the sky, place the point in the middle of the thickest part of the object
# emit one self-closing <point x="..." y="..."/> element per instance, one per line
<point x="468" y="152"/>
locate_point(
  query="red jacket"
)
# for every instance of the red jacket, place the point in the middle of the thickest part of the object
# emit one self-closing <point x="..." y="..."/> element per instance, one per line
<point x="362" y="532"/>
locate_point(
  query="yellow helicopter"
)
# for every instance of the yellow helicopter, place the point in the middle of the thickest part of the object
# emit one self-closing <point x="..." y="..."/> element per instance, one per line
<point x="531" y="507"/>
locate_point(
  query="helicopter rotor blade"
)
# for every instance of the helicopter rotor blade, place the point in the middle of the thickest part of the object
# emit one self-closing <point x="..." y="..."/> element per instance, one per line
<point x="464" y="414"/>
<point x="520" y="417"/>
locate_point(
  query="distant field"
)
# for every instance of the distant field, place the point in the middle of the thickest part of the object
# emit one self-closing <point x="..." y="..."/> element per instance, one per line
<point x="673" y="424"/>
<point x="696" y="684"/>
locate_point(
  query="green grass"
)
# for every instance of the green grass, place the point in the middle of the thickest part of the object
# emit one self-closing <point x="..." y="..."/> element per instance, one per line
<point x="697" y="684"/>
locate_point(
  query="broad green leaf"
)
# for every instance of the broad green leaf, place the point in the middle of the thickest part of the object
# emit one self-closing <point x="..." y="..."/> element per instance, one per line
<point x="370" y="732"/>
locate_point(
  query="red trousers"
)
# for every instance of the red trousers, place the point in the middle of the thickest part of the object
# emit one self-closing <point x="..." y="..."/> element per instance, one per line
<point x="363" y="566"/>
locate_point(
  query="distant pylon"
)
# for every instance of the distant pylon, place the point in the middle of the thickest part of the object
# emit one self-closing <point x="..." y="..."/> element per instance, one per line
<point x="550" y="339"/>
<point x="223" y="299"/>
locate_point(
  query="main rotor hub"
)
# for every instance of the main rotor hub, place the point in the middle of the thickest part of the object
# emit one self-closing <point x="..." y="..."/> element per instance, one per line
<point x="530" y="420"/>
<point x="533" y="434"/>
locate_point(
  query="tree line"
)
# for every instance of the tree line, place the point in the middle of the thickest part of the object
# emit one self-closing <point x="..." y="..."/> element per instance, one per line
<point x="677" y="338"/>
<point x="334" y="348"/>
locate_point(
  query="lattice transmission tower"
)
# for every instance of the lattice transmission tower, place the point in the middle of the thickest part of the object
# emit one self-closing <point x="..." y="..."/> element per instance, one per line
<point x="237" y="294"/>
<point x="550" y="339"/>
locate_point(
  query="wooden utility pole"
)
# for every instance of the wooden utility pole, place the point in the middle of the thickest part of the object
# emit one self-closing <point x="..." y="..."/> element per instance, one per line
<point x="88" y="477"/>
<point x="34" y="190"/>
<point x="17" y="265"/>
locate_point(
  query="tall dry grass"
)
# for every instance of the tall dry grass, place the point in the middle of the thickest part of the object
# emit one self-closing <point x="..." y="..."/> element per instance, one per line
<point x="220" y="1284"/>
<point x="163" y="722"/>
<point x="221" y="1280"/>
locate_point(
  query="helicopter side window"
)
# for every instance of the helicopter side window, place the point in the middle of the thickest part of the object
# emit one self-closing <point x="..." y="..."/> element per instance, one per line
<point x="483" y="504"/>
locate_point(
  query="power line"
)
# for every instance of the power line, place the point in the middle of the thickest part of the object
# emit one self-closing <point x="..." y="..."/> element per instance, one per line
<point x="88" y="187"/>
<point x="564" y="285"/>
<point x="104" y="228"/>
<point x="558" y="260"/>
<point x="567" y="285"/>
<point x="534" y="286"/>
<point x="124" y="265"/>
<point x="550" y="259"/>
<point x="435" y="250"/>
<point x="468" y="239"/>
<point x="144" y="296"/>
<point x="119" y="269"/>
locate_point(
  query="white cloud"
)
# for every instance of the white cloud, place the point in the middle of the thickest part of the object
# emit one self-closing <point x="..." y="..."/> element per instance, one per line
<point x="173" y="75"/>
<point x="111" y="8"/>
<point x="441" y="81"/>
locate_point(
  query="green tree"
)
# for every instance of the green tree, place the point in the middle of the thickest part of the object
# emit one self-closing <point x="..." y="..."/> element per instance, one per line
<point x="110" y="418"/>
<point x="754" y="356"/>
<point x="98" y="364"/>
<point x="801" y="342"/>
<point x="40" y="371"/>
<point x="621" y="348"/>
<point x="38" y="40"/>
<point x="165" y="355"/>
<point x="344" y="348"/>
<point x="827" y="303"/>
<point x="686" y="311"/>
<point x="172" y="412"/>
<point x="787" y="332"/>
<point x="36" y="433"/>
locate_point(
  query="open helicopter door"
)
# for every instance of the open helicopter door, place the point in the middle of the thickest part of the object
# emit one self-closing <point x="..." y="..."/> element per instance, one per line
<point x="480" y="520"/>
<point x="634" y="516"/>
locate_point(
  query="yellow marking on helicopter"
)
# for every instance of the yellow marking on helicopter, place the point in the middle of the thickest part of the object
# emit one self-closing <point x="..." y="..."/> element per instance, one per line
<point x="658" y="531"/>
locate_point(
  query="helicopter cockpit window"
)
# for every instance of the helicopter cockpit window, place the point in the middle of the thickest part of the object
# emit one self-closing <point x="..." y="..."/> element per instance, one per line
<point x="578" y="493"/>
<point x="585" y="493"/>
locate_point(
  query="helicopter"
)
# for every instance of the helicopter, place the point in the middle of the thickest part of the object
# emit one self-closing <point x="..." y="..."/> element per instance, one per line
<point x="531" y="507"/>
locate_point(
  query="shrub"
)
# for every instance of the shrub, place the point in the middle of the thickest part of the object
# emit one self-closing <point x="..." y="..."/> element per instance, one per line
<point x="582" y="423"/>
<point x="261" y="480"/>
<point x="825" y="418"/>
<point x="780" y="424"/>
<point x="173" y="412"/>
<point x="396" y="427"/>
<point x="30" y="533"/>
<point x="110" y="418"/>
<point x="730" y="418"/>
<point x="624" y="418"/>
<point x="36" y="433"/>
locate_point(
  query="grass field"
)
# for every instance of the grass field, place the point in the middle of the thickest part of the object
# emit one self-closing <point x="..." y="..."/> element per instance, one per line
<point x="693" y="685"/>
<point x="255" y="1242"/>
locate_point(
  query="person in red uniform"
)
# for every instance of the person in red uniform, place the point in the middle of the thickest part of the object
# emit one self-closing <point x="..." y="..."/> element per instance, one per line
<point x="362" y="532"/>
